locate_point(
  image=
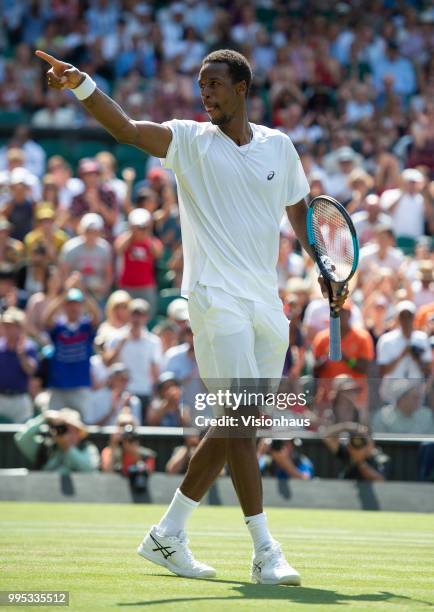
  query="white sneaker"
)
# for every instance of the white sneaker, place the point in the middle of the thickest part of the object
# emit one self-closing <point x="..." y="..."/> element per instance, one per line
<point x="172" y="552"/>
<point x="270" y="567"/>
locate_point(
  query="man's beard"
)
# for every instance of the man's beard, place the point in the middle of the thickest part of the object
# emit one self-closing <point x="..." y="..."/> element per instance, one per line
<point x="222" y="120"/>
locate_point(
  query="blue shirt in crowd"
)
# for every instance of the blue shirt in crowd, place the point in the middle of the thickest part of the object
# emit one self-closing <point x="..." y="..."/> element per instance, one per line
<point x="12" y="376"/>
<point x="73" y="348"/>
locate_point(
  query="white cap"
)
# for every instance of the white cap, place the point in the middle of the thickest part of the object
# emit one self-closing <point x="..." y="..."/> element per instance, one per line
<point x="178" y="310"/>
<point x="92" y="221"/>
<point x="19" y="175"/>
<point x="405" y="306"/>
<point x="411" y="174"/>
<point x="139" y="217"/>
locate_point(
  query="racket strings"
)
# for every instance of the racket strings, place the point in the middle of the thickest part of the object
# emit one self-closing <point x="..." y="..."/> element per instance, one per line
<point x="333" y="239"/>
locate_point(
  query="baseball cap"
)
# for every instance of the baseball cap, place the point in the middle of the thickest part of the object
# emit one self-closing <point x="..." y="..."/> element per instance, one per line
<point x="413" y="175"/>
<point x="69" y="417"/>
<point x="44" y="211"/>
<point x="405" y="306"/>
<point x="178" y="310"/>
<point x="13" y="315"/>
<point x="87" y="164"/>
<point x="19" y="176"/>
<point x="139" y="305"/>
<point x="74" y="295"/>
<point x="139" y="217"/>
<point x="92" y="221"/>
<point x="345" y="154"/>
<point x="117" y="368"/>
<point x="166" y="377"/>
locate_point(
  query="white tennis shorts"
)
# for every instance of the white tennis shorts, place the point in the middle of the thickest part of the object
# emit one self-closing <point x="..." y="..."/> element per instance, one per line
<point x="235" y="337"/>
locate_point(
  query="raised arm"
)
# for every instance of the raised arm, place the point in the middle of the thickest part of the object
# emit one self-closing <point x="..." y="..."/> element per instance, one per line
<point x="151" y="137"/>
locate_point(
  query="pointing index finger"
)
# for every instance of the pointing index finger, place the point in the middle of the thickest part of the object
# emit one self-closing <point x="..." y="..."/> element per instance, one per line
<point x="55" y="63"/>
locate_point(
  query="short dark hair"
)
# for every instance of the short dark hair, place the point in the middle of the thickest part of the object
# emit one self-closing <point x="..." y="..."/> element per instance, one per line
<point x="239" y="67"/>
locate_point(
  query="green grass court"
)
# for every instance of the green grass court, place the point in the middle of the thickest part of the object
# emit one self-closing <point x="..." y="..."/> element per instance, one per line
<point x="348" y="560"/>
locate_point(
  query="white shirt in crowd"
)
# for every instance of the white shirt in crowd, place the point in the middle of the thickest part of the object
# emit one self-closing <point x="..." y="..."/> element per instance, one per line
<point x="231" y="202"/>
<point x="408" y="214"/>
<point x="390" y="345"/>
<point x="138" y="356"/>
<point x="370" y="258"/>
<point x="364" y="228"/>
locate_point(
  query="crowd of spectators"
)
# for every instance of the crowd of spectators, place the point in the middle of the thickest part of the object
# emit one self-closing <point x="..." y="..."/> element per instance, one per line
<point x="91" y="258"/>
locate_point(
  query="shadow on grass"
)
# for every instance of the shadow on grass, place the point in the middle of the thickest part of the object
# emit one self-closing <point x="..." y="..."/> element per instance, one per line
<point x="303" y="595"/>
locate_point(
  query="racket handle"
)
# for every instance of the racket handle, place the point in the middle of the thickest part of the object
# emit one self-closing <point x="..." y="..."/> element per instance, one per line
<point x="335" y="353"/>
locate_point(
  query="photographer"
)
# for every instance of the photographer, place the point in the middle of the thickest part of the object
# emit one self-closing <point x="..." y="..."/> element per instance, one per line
<point x="360" y="458"/>
<point x="288" y="461"/>
<point x="55" y="441"/>
<point x="124" y="453"/>
<point x="403" y="353"/>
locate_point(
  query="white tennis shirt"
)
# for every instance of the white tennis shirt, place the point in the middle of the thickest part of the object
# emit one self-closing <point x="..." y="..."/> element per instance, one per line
<point x="231" y="201"/>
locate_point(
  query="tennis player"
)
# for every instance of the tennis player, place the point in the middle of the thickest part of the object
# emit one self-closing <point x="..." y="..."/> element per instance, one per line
<point x="235" y="179"/>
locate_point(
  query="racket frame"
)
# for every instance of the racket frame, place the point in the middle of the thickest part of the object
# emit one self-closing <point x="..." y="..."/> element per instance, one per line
<point x="335" y="345"/>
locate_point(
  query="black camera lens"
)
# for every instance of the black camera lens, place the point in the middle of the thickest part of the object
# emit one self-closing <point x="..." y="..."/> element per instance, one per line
<point x="59" y="430"/>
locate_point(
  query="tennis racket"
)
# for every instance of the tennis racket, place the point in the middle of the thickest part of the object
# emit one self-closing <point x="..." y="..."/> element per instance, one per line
<point x="333" y="239"/>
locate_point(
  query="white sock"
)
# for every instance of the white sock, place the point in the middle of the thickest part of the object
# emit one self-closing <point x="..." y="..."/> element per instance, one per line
<point x="257" y="525"/>
<point x="177" y="514"/>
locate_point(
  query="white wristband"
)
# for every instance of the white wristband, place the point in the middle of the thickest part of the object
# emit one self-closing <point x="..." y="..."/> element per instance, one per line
<point x="85" y="89"/>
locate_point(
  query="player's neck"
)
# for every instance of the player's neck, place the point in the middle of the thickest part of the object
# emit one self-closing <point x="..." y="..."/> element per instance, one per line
<point x="238" y="129"/>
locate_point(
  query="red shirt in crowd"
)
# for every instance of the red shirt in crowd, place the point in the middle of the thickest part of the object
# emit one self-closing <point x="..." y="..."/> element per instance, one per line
<point x="138" y="264"/>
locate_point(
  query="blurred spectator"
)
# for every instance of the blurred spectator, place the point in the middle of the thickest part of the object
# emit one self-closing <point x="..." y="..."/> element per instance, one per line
<point x="124" y="450"/>
<point x="19" y="209"/>
<point x="68" y="186"/>
<point x="72" y="335"/>
<point x="46" y="233"/>
<point x="177" y="313"/>
<point x="403" y="353"/>
<point x="55" y="442"/>
<point x="181" y="455"/>
<point x="181" y="361"/>
<point x="38" y="302"/>
<point x="139" y="350"/>
<point x="289" y="462"/>
<point x="361" y="459"/>
<point x="33" y="153"/>
<point x="56" y="113"/>
<point x="168" y="334"/>
<point x="406" y="205"/>
<point x="423" y="286"/>
<point x="381" y="253"/>
<point x="90" y="255"/>
<point x="397" y="68"/>
<point x="168" y="410"/>
<point x="138" y="251"/>
<point x="96" y="197"/>
<point x="117" y="315"/>
<point x="115" y="399"/>
<point x="289" y="263"/>
<point x="405" y="414"/>
<point x="11" y="250"/>
<point x="366" y="220"/>
<point x="18" y="362"/>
